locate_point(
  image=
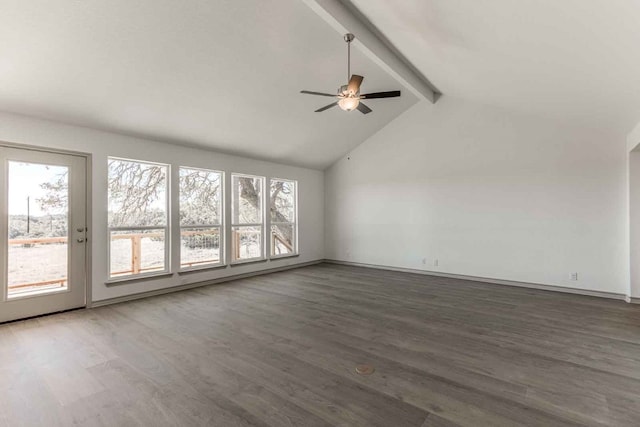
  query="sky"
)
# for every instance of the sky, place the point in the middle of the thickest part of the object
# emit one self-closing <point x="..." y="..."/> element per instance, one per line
<point x="24" y="181"/>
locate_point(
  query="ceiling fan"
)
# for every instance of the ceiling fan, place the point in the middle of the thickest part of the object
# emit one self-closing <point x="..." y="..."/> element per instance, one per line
<point x="349" y="95"/>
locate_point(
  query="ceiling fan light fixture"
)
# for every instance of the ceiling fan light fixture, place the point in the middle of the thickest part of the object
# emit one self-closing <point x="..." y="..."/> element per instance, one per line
<point x="348" y="96"/>
<point x="349" y="103"/>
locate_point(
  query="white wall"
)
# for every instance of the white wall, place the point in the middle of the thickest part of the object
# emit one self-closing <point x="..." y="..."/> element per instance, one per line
<point x="23" y="130"/>
<point x="633" y="147"/>
<point x="634" y="222"/>
<point x="633" y="138"/>
<point x="487" y="192"/>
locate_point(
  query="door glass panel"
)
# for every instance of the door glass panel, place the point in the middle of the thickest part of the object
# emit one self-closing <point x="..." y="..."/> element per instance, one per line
<point x="38" y="229"/>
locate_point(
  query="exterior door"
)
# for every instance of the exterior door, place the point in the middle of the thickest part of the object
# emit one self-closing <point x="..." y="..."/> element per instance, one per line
<point x="42" y="232"/>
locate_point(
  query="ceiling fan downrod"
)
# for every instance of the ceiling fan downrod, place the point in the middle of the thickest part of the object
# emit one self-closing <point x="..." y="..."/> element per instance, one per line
<point x="349" y="38"/>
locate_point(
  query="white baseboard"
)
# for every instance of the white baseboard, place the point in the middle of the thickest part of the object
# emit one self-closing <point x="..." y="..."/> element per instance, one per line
<point x="578" y="291"/>
<point x="199" y="284"/>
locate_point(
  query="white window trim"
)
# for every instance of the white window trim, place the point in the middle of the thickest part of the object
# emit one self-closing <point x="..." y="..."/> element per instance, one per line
<point x="222" y="226"/>
<point x="263" y="198"/>
<point x="166" y="228"/>
<point x="296" y="251"/>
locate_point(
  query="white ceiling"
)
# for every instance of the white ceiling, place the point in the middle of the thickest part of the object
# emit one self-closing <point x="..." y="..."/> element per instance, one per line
<point x="576" y="60"/>
<point x="220" y="74"/>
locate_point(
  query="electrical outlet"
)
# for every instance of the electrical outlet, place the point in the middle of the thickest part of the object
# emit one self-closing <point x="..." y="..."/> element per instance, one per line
<point x="435" y="262"/>
<point x="574" y="276"/>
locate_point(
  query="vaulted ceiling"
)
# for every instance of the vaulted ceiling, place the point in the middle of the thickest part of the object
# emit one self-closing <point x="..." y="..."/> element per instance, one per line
<point x="574" y="60"/>
<point x="223" y="74"/>
<point x="226" y="74"/>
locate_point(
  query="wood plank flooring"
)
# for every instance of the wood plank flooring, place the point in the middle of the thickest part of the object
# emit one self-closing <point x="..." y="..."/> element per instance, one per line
<point x="281" y="349"/>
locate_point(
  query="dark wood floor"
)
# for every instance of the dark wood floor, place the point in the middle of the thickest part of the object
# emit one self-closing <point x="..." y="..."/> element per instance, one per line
<point x="281" y="349"/>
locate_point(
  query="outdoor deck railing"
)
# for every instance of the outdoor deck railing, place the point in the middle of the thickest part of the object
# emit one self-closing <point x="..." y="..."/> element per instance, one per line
<point x="21" y="287"/>
<point x="136" y="253"/>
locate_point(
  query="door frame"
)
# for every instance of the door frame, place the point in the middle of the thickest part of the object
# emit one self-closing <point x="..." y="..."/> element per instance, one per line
<point x="88" y="205"/>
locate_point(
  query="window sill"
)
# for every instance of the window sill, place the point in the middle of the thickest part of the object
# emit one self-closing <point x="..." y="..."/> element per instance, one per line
<point x="201" y="269"/>
<point x="137" y="278"/>
<point x="277" y="257"/>
<point x="249" y="261"/>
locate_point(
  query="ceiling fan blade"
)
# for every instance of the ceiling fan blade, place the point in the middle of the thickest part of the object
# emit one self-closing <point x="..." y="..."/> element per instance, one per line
<point x="354" y="83"/>
<point x="326" y="107"/>
<point x="363" y="108"/>
<point x="308" y="92"/>
<point x="374" y="95"/>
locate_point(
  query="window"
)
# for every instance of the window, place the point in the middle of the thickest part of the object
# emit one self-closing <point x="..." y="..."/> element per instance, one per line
<point x="246" y="218"/>
<point x="283" y="217"/>
<point x="200" y="218"/>
<point x="137" y="218"/>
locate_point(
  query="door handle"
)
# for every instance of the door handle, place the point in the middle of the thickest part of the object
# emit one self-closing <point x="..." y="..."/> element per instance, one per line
<point x="81" y="240"/>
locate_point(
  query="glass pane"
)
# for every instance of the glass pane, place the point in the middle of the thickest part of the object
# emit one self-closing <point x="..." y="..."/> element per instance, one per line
<point x="199" y="246"/>
<point x="137" y="252"/>
<point x="200" y="197"/>
<point x="38" y="223"/>
<point x="283" y="239"/>
<point x="137" y="194"/>
<point x="247" y="242"/>
<point x="283" y="201"/>
<point x="247" y="200"/>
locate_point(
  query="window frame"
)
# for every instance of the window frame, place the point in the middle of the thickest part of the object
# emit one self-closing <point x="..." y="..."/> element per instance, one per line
<point x="296" y="251"/>
<point x="166" y="228"/>
<point x="262" y="225"/>
<point x="221" y="227"/>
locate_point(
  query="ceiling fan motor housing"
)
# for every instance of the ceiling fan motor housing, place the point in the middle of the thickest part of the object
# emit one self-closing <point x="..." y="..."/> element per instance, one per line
<point x="344" y="91"/>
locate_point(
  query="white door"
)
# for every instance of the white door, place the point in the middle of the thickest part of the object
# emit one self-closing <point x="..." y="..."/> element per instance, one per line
<point x="42" y="232"/>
